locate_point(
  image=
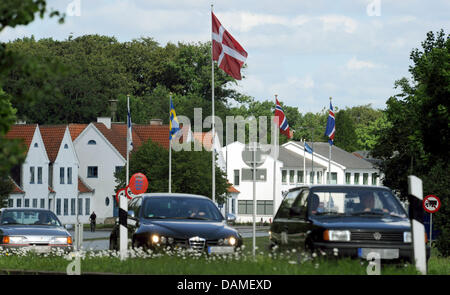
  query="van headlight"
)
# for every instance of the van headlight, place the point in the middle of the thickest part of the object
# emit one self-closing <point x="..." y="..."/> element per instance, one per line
<point x="61" y="240"/>
<point x="15" y="240"/>
<point x="336" y="235"/>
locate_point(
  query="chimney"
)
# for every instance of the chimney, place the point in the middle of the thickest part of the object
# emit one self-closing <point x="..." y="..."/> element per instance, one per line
<point x="113" y="108"/>
<point x="105" y="120"/>
<point x="156" y="121"/>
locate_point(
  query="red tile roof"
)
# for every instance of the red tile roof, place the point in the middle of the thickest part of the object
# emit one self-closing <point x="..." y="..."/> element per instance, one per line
<point x="76" y="129"/>
<point x="22" y="131"/>
<point x="204" y="138"/>
<point x="16" y="188"/>
<point x="117" y="135"/>
<point x="52" y="136"/>
<point x="83" y="187"/>
<point x="232" y="189"/>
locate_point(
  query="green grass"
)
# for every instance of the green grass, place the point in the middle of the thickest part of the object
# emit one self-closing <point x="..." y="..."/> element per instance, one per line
<point x="281" y="262"/>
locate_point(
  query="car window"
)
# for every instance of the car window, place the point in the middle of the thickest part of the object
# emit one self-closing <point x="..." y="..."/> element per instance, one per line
<point x="354" y="201"/>
<point x="286" y="204"/>
<point x="29" y="217"/>
<point x="180" y="208"/>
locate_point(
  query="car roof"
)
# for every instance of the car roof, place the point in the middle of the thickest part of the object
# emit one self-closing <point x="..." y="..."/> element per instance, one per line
<point x="176" y="195"/>
<point x="338" y="186"/>
<point x="24" y="209"/>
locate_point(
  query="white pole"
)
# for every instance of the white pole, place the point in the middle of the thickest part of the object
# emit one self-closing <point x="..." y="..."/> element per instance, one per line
<point x="170" y="155"/>
<point x="417" y="228"/>
<point x="431" y="228"/>
<point x="213" y="121"/>
<point x="254" y="199"/>
<point x="329" y="160"/>
<point x="304" y="162"/>
<point x="275" y="157"/>
<point x="123" y="202"/>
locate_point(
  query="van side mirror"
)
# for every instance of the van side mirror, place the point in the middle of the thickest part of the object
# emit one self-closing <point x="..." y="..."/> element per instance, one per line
<point x="68" y="226"/>
<point x="231" y="218"/>
<point x="131" y="213"/>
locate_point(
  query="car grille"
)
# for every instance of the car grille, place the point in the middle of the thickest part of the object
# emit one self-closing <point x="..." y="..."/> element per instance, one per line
<point x="197" y="243"/>
<point x="376" y="236"/>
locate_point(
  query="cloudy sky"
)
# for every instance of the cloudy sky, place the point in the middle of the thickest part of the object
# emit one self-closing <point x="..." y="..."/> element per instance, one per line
<point x="304" y="51"/>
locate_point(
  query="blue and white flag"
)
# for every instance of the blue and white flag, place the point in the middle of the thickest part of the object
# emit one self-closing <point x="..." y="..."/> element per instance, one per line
<point x="308" y="148"/>
<point x="129" y="132"/>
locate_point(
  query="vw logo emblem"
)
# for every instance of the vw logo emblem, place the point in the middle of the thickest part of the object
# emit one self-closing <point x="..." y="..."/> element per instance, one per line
<point x="377" y="236"/>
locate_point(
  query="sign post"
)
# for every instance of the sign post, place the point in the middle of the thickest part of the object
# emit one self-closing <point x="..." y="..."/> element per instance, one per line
<point x="431" y="204"/>
<point x="417" y="228"/>
<point x="123" y="230"/>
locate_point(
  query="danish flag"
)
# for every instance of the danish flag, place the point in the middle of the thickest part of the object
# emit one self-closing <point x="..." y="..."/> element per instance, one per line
<point x="228" y="53"/>
<point x="331" y="126"/>
<point x="282" y="121"/>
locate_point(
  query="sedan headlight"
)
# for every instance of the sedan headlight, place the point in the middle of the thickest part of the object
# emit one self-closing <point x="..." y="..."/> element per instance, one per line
<point x="231" y="241"/>
<point x="14" y="240"/>
<point x="61" y="241"/>
<point x="336" y="235"/>
<point x="155" y="239"/>
<point x="407" y="237"/>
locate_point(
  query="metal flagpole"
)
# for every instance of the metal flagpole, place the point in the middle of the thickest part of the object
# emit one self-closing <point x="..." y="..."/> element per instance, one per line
<point x="128" y="143"/>
<point x="123" y="201"/>
<point x="275" y="157"/>
<point x="254" y="199"/>
<point x="329" y="160"/>
<point x="312" y="155"/>
<point x="170" y="153"/>
<point x="213" y="123"/>
<point x="304" y="161"/>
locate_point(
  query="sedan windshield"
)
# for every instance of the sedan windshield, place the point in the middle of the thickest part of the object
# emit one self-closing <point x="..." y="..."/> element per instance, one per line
<point x="29" y="217"/>
<point x="354" y="201"/>
<point x="180" y="208"/>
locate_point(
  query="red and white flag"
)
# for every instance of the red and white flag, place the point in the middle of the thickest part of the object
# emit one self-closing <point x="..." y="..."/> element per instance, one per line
<point x="228" y="53"/>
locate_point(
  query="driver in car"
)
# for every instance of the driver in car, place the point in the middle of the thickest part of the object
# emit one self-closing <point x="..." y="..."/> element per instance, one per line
<point x="196" y="212"/>
<point x="367" y="202"/>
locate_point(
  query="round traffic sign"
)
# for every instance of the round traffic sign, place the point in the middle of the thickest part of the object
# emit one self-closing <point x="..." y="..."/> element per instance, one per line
<point x="431" y="204"/>
<point x="138" y="183"/>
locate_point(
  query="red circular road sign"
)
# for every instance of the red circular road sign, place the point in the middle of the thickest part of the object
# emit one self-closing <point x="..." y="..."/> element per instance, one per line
<point x="431" y="204"/>
<point x="138" y="183"/>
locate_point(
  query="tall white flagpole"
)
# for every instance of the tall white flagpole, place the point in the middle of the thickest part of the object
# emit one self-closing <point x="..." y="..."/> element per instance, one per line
<point x="170" y="152"/>
<point x="304" y="161"/>
<point x="128" y="143"/>
<point x="275" y="153"/>
<point x="213" y="123"/>
<point x="329" y="158"/>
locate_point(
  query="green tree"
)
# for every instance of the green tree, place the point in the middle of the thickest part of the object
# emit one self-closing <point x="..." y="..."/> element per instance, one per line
<point x="12" y="14"/>
<point x="345" y="136"/>
<point x="416" y="139"/>
<point x="191" y="171"/>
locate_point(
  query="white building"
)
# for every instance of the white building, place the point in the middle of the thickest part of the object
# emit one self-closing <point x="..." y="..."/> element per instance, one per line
<point x="49" y="176"/>
<point x="294" y="167"/>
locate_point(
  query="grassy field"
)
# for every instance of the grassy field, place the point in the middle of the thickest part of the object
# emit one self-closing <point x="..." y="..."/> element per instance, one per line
<point x="182" y="263"/>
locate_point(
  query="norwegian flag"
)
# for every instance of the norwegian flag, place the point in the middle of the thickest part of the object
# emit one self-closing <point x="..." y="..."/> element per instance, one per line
<point x="228" y="53"/>
<point x="282" y="120"/>
<point x="331" y="126"/>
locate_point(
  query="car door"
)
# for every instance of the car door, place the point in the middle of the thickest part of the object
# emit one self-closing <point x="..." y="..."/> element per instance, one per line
<point x="280" y="225"/>
<point x="298" y="225"/>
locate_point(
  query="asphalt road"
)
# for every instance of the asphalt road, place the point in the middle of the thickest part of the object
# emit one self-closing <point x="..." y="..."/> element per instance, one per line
<point x="99" y="240"/>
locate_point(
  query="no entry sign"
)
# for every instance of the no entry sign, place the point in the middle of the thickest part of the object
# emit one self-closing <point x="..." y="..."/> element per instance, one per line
<point x="431" y="204"/>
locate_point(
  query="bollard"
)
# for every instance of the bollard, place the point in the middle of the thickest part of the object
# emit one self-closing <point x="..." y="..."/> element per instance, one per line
<point x="415" y="197"/>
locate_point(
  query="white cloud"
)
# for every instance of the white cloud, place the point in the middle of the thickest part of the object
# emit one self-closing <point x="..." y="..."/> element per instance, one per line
<point x="354" y="64"/>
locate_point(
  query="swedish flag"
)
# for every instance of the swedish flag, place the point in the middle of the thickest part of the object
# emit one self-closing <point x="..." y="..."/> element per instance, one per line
<point x="174" y="124"/>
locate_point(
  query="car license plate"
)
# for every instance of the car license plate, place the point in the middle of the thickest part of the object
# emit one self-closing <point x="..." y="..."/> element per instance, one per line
<point x="384" y="253"/>
<point x="39" y="249"/>
<point x="220" y="250"/>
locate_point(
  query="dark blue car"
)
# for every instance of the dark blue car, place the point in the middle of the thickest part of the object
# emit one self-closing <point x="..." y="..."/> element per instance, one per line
<point x="344" y="220"/>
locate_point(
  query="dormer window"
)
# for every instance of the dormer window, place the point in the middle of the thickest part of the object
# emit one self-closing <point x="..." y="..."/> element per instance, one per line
<point x="35" y="144"/>
<point x="66" y="146"/>
<point x="92" y="142"/>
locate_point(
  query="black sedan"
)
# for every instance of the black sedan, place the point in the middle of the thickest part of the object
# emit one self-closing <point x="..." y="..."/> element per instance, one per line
<point x="33" y="229"/>
<point x="161" y="220"/>
<point x="344" y="220"/>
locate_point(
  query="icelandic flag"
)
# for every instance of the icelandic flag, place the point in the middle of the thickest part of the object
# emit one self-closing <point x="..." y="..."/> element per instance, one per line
<point x="308" y="148"/>
<point x="331" y="126"/>
<point x="282" y="120"/>
<point x="174" y="124"/>
<point x="129" y="133"/>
